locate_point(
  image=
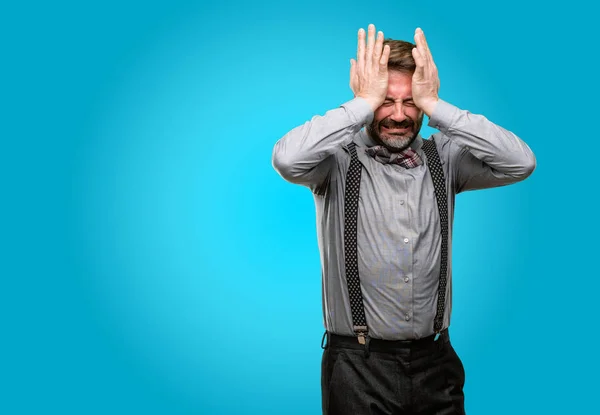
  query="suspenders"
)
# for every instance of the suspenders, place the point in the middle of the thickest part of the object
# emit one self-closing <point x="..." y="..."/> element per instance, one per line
<point x="359" y="320"/>
<point x="439" y="184"/>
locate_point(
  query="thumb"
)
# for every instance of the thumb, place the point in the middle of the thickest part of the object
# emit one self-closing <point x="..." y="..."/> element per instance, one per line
<point x="352" y="74"/>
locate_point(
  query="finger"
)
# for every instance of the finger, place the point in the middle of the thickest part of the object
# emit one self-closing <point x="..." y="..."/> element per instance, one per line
<point x="419" y="44"/>
<point x="370" y="45"/>
<point x="429" y="55"/>
<point x="378" y="48"/>
<point x="420" y="36"/>
<point x="385" y="55"/>
<point x="360" y="53"/>
<point x="420" y="63"/>
<point x="352" y="73"/>
<point x="423" y="46"/>
<point x="423" y="62"/>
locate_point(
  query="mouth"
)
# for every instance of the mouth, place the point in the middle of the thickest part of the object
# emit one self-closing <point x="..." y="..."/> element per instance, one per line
<point x="395" y="130"/>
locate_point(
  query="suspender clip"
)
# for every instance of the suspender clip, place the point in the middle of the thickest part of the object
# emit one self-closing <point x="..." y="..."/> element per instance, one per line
<point x="361" y="333"/>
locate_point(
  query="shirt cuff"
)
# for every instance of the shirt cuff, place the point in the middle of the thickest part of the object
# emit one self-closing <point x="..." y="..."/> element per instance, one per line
<point x="360" y="110"/>
<point x="443" y="116"/>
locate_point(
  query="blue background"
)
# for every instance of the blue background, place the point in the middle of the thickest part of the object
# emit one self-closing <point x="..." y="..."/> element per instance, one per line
<point x="154" y="262"/>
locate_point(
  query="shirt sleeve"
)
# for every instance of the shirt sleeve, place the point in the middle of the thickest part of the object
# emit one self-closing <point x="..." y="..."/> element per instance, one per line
<point x="484" y="155"/>
<point x="305" y="154"/>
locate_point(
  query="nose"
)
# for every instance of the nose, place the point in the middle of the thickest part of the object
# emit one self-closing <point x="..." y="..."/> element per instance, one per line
<point x="398" y="114"/>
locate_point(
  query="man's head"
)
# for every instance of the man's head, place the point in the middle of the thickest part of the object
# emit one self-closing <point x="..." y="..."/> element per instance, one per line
<point x="397" y="121"/>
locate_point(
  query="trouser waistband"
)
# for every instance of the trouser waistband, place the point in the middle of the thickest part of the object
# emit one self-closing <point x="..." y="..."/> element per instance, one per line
<point x="378" y="345"/>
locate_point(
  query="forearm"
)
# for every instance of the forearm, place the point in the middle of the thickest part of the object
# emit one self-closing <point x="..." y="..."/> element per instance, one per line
<point x="302" y="149"/>
<point x="497" y="147"/>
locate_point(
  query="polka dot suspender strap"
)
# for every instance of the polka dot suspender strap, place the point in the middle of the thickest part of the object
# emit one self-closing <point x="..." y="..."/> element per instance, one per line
<point x="439" y="184"/>
<point x="359" y="320"/>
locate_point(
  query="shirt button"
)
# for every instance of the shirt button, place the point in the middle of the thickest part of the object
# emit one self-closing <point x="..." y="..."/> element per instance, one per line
<point x="405" y="240"/>
<point x="406" y="279"/>
<point x="402" y="202"/>
<point x="407" y="317"/>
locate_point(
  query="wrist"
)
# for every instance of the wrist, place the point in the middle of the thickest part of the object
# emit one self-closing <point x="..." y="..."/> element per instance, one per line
<point x="429" y="106"/>
<point x="373" y="102"/>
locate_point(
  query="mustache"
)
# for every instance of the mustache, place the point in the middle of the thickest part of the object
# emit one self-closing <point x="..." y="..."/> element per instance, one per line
<point x="391" y="124"/>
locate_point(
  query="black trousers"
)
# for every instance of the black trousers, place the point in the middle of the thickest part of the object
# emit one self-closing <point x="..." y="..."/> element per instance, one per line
<point x="422" y="376"/>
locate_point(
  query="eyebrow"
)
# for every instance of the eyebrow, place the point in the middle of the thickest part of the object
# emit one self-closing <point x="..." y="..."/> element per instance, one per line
<point x="404" y="100"/>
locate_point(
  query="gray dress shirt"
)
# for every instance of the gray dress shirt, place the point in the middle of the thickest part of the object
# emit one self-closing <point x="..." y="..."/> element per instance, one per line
<point x="399" y="239"/>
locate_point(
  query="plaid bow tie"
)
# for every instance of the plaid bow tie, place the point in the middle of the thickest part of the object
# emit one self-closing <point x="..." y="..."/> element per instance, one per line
<point x="407" y="158"/>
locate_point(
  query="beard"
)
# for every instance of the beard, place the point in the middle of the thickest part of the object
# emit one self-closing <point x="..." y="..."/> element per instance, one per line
<point x="395" y="141"/>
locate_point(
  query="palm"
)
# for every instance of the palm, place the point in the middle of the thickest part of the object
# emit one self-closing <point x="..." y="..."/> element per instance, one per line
<point x="425" y="82"/>
<point x="369" y="74"/>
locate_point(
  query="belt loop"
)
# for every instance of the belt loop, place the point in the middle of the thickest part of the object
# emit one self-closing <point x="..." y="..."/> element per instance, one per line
<point x="326" y="334"/>
<point x="367" y="343"/>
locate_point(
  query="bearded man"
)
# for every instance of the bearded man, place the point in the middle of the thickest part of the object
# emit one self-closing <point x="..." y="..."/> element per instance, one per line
<point x="385" y="205"/>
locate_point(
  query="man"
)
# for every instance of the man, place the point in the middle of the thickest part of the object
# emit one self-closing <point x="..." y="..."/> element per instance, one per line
<point x="385" y="202"/>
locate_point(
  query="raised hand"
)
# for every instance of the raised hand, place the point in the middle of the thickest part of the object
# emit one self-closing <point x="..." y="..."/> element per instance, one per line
<point x="425" y="81"/>
<point x="369" y="74"/>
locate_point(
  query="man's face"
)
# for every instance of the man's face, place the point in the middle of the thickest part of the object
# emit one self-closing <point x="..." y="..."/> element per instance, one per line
<point x="397" y="121"/>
